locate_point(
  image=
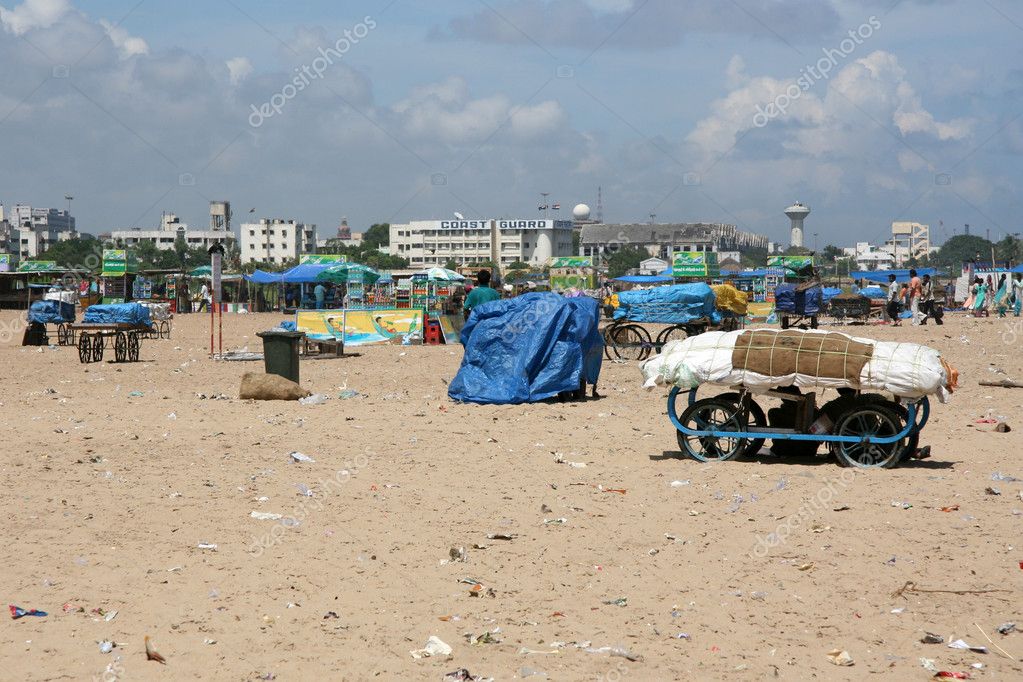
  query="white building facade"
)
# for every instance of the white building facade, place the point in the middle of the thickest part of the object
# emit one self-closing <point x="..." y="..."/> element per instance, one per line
<point x="276" y="240"/>
<point x="429" y="243"/>
<point x="35" y="229"/>
<point x="171" y="229"/>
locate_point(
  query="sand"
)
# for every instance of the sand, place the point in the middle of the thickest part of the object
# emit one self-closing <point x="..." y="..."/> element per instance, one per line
<point x="108" y="495"/>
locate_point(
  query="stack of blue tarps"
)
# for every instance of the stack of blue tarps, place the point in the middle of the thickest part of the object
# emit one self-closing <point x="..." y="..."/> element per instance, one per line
<point x="677" y="304"/>
<point x="51" y="312"/>
<point x="528" y="349"/>
<point x="788" y="300"/>
<point x="134" y="314"/>
<point x="873" y="292"/>
<point x="829" y="293"/>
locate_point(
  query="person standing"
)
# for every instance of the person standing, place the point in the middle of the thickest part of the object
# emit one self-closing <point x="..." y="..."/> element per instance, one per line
<point x="204" y="298"/>
<point x="915" y="290"/>
<point x="1017" y="292"/>
<point x="979" y="297"/>
<point x="320" y="292"/>
<point x="894" y="296"/>
<point x="481" y="293"/>
<point x="928" y="306"/>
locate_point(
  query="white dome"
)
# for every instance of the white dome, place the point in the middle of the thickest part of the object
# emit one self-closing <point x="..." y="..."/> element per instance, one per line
<point x="581" y="212"/>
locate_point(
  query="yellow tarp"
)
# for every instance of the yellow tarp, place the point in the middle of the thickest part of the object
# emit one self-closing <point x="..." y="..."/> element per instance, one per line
<point x="731" y="299"/>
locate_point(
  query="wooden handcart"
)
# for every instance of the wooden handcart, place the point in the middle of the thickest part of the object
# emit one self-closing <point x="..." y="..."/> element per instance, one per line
<point x="125" y="339"/>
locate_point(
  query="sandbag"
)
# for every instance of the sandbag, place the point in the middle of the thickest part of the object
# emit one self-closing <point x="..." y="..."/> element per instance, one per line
<point x="907" y="370"/>
<point x="257" y="386"/>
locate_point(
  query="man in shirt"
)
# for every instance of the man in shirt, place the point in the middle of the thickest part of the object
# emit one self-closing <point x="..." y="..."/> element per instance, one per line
<point x="928" y="306"/>
<point x="481" y="293"/>
<point x="204" y="298"/>
<point x="320" y="292"/>
<point x="894" y="291"/>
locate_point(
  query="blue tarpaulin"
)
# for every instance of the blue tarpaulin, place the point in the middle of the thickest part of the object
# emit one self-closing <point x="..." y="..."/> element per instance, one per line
<point x="134" y="314"/>
<point x="882" y="275"/>
<point x="677" y="304"/>
<point x="260" y="277"/>
<point x="51" y="312"/>
<point x="305" y="273"/>
<point x="830" y="292"/>
<point x="788" y="300"/>
<point x="643" y="279"/>
<point x="874" y="292"/>
<point x="528" y="349"/>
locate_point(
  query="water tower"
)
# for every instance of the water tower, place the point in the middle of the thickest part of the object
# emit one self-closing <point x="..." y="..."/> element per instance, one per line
<point x="797" y="213"/>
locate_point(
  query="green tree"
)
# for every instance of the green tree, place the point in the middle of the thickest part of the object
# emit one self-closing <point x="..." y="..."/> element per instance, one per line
<point x="962" y="248"/>
<point x="1009" y="249"/>
<point x="379" y="234"/>
<point x="831" y="253"/>
<point x="754" y="257"/>
<point x="625" y="259"/>
<point x="452" y="264"/>
<point x="518" y="265"/>
<point x="76" y="254"/>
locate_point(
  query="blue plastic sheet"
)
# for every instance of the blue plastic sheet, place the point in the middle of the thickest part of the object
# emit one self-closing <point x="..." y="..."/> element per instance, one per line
<point x="118" y="313"/>
<point x="788" y="300"/>
<point x="528" y="349"/>
<point x="874" y="292"/>
<point x="51" y="312"/>
<point x="678" y="304"/>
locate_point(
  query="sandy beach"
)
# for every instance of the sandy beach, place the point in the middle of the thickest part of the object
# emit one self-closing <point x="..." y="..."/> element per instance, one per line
<point x="116" y="474"/>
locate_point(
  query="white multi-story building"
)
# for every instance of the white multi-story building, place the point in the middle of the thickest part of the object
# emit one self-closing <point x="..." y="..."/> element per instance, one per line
<point x="171" y="229"/>
<point x="35" y="229"/>
<point x="275" y="240"/>
<point x="428" y="243"/>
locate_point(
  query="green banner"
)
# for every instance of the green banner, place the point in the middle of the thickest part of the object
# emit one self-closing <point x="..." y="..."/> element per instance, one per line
<point x="39" y="266"/>
<point x="789" y="262"/>
<point x="119" y="262"/>
<point x="322" y="259"/>
<point x="695" y="264"/>
<point x="571" y="262"/>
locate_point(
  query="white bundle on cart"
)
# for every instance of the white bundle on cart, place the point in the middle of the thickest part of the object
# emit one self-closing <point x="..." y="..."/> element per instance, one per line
<point x="763" y="359"/>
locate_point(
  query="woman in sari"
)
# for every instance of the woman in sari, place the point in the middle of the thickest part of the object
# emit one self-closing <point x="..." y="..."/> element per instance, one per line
<point x="1002" y="296"/>
<point x="979" y="297"/>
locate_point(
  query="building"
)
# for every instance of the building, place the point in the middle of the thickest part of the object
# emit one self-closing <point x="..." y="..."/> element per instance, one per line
<point x="870" y="257"/>
<point x="428" y="243"/>
<point x="912" y="239"/>
<point x="275" y="240"/>
<point x="344" y="237"/>
<point x="171" y="229"/>
<point x="797" y="213"/>
<point x="653" y="266"/>
<point x="34" y="229"/>
<point x="662" y="240"/>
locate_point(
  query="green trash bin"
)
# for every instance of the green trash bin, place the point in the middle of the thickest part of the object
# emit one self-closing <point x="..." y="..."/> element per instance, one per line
<point x="280" y="353"/>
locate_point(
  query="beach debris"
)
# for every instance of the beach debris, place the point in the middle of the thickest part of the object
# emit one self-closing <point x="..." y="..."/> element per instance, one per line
<point x="560" y="459"/>
<point x="18" y="612"/>
<point x="1002" y="427"/>
<point x="928" y="665"/>
<point x="530" y="672"/>
<point x="463" y="675"/>
<point x="266" y="516"/>
<point x="679" y="484"/>
<point x="152" y="654"/>
<point x="842" y="508"/>
<point x="555" y="522"/>
<point x="620" y="601"/>
<point x="299" y="457"/>
<point x="619" y="651"/>
<point x="348" y="394"/>
<point x="105" y="647"/>
<point x="270" y="387"/>
<point x="136" y="394"/>
<point x="1006" y="628"/>
<point x="910" y="587"/>
<point x="487" y="637"/>
<point x="805" y="567"/>
<point x="1005" y="478"/>
<point x="1003" y="383"/>
<point x="931" y="638"/>
<point x="950" y="675"/>
<point x="992" y="491"/>
<point x="961" y="644"/>
<point x="457" y="553"/>
<point x="500" y="536"/>
<point x="904" y="505"/>
<point x="840" y="657"/>
<point x="314" y="399"/>
<point x="434" y="647"/>
<point x="952" y="508"/>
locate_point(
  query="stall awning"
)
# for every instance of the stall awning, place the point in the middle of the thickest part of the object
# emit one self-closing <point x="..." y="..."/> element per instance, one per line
<point x="882" y="275"/>
<point x="644" y="279"/>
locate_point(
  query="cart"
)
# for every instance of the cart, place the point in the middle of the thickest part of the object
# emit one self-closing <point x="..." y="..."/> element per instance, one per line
<point x="627" y="340"/>
<point x="51" y="311"/>
<point x="850" y="308"/>
<point x="161" y="315"/>
<point x="125" y="339"/>
<point x="864" y="430"/>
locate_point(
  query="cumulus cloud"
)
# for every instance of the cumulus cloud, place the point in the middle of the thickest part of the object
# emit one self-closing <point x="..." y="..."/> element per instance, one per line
<point x="240" y="68"/>
<point x="127" y="45"/>
<point x="33" y="14"/>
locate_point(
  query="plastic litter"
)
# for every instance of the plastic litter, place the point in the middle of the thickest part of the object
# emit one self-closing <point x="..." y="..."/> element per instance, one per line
<point x="106" y="647"/>
<point x="207" y="545"/>
<point x="315" y="399"/>
<point x="151" y="653"/>
<point x="266" y="516"/>
<point x="999" y="476"/>
<point x="961" y="644"/>
<point x="348" y="394"/>
<point x="299" y="457"/>
<point x="1006" y="628"/>
<point x="679" y="484"/>
<point x="840" y="657"/>
<point x="620" y="601"/>
<point x="434" y="647"/>
<point x="18" y="612"/>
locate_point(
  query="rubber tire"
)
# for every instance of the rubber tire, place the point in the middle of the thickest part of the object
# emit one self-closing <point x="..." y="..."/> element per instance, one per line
<point x="757" y="418"/>
<point x="894" y="419"/>
<point x="835" y="408"/>
<point x="740" y="446"/>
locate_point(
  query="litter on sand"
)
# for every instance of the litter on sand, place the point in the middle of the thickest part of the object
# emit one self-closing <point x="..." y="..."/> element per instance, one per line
<point x="434" y="647"/>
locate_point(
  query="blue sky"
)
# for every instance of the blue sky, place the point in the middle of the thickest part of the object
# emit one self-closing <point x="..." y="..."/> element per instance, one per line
<point x="471" y="106"/>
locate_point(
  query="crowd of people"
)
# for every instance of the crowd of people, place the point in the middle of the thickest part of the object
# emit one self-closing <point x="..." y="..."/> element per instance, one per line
<point x="987" y="297"/>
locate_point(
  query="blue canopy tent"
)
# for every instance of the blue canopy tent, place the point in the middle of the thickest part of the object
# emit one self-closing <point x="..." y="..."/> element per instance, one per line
<point x="260" y="277"/>
<point x="644" y="279"/>
<point x="305" y="273"/>
<point x="882" y="275"/>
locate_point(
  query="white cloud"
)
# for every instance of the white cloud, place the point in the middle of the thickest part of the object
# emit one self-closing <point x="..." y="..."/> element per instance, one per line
<point x="127" y="45"/>
<point x="33" y="14"/>
<point x="240" y="68"/>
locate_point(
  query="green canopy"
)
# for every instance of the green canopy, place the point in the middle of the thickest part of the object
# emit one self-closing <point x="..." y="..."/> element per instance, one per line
<point x="343" y="273"/>
<point x="201" y="271"/>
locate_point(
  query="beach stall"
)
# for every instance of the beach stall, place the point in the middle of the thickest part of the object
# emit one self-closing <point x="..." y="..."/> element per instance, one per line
<point x="693" y="266"/>
<point x="117" y="279"/>
<point x="572" y="272"/>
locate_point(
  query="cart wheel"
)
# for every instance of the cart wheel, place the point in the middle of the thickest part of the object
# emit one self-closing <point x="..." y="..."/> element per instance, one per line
<point x="84" y="349"/>
<point x="784" y="322"/>
<point x="839" y="406"/>
<point x="62" y="335"/>
<point x="756" y="418"/>
<point x="869" y="419"/>
<point x="133" y="347"/>
<point x="675" y="333"/>
<point x="97" y="347"/>
<point x="629" y="342"/>
<point x="120" y="347"/>
<point x="164" y="330"/>
<point x="712" y="414"/>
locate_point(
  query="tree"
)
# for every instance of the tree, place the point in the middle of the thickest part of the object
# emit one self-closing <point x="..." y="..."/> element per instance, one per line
<point x="379" y="234"/>
<point x="755" y="257"/>
<point x="962" y="248"/>
<point x="1009" y="249"/>
<point x="76" y="254"/>
<point x="518" y="265"/>
<point x="831" y="253"/>
<point x="451" y="264"/>
<point x="624" y="259"/>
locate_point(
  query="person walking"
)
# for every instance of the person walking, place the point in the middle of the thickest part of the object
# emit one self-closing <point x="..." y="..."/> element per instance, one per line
<point x="928" y="304"/>
<point x="1017" y="292"/>
<point x="979" y="297"/>
<point x="915" y="291"/>
<point x="320" y="293"/>
<point x="1002" y="296"/>
<point x="894" y="301"/>
<point x="204" y="298"/>
<point x="481" y="293"/>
